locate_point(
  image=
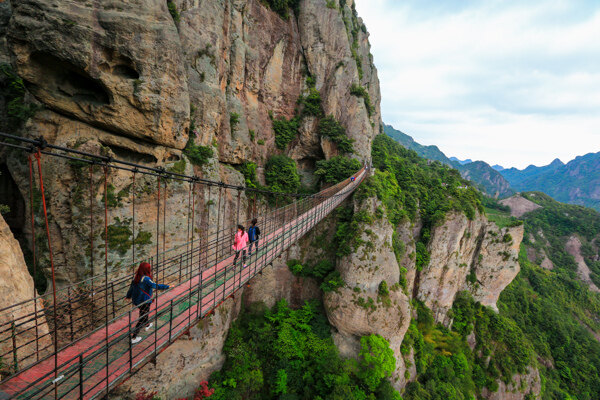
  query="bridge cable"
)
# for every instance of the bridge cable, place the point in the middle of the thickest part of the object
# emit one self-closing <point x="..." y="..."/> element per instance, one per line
<point x="33" y="251"/>
<point x="92" y="236"/>
<point x="51" y="256"/>
<point x="106" y="272"/>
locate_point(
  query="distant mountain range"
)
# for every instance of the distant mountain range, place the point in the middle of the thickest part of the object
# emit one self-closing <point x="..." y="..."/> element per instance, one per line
<point x="577" y="182"/>
<point x="488" y="179"/>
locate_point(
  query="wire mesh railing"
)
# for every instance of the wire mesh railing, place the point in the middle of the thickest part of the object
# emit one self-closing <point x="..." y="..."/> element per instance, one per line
<point x="202" y="276"/>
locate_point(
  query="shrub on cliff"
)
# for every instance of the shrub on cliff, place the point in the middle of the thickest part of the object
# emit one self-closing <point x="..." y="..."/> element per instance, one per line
<point x="281" y="174"/>
<point x="286" y="353"/>
<point x="336" y="169"/>
<point x="331" y="129"/>
<point x="285" y="131"/>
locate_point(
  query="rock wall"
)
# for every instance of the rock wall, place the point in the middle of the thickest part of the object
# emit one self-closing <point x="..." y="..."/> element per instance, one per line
<point x="473" y="255"/>
<point x="134" y="82"/>
<point x="16" y="286"/>
<point x="461" y="248"/>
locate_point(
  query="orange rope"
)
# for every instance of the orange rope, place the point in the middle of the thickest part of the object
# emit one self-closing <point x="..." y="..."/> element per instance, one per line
<point x="38" y="156"/>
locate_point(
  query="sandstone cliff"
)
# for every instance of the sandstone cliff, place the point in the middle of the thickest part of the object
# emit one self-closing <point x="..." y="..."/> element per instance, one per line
<point x="16" y="286"/>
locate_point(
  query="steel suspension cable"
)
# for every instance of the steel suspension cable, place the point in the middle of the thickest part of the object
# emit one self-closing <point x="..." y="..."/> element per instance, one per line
<point x="51" y="256"/>
<point x="106" y="271"/>
<point x="33" y="251"/>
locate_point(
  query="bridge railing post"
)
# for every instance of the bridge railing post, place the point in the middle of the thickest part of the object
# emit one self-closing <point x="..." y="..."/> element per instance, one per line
<point x="129" y="341"/>
<point x="80" y="366"/>
<point x="170" y="320"/>
<point x="13" y="333"/>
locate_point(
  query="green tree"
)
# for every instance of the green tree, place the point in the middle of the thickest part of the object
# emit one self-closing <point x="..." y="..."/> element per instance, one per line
<point x="281" y="174"/>
<point x="376" y="360"/>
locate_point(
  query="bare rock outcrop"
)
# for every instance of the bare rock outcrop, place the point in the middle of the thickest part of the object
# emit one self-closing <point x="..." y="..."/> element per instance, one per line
<point x="529" y="383"/>
<point x="115" y="66"/>
<point x="361" y="308"/>
<point x="519" y="205"/>
<point x="461" y="248"/>
<point x="16" y="286"/>
<point x="573" y="247"/>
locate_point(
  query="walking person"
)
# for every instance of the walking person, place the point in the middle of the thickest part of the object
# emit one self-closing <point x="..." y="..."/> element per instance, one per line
<point x="240" y="241"/>
<point x="140" y="293"/>
<point x="253" y="236"/>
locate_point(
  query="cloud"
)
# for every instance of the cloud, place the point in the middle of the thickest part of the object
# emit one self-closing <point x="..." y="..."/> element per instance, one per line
<point x="512" y="83"/>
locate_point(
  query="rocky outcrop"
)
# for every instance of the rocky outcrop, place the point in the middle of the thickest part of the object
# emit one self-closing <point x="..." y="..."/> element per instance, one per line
<point x="117" y="67"/>
<point x="473" y="255"/>
<point x="573" y="247"/>
<point x="361" y="307"/>
<point x="522" y="385"/>
<point x="519" y="205"/>
<point x="16" y="286"/>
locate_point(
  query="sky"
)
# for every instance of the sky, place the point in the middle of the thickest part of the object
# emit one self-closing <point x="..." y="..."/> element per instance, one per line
<point x="508" y="82"/>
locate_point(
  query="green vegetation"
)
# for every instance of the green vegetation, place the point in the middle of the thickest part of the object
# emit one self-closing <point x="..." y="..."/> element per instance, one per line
<point x="485" y="177"/>
<point x="252" y="134"/>
<point x="119" y="236"/>
<point x="173" y="11"/>
<point x="336" y="169"/>
<point x="311" y="102"/>
<point x="352" y="28"/>
<point x="281" y="174"/>
<point x="409" y="186"/>
<point x="323" y="272"/>
<point x="289" y="354"/>
<point x="13" y="88"/>
<point x="498" y="213"/>
<point x="234" y="120"/>
<point x="555" y="310"/>
<point x="285" y="131"/>
<point x="282" y="7"/>
<point x="360" y="91"/>
<point x="446" y="366"/>
<point x="113" y="199"/>
<point x="330" y="128"/>
<point x="178" y="167"/>
<point x="198" y="155"/>
<point x="248" y="169"/>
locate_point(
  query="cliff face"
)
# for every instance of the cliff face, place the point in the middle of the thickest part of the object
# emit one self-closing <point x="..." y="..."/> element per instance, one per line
<point x="16" y="286"/>
<point x="133" y="82"/>
<point x="472" y="255"/>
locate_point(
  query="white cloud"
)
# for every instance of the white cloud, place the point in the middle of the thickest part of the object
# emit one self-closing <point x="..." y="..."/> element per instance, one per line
<point x="507" y="82"/>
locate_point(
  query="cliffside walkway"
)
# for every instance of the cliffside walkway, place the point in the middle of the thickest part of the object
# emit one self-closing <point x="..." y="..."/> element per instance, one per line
<point x="91" y="321"/>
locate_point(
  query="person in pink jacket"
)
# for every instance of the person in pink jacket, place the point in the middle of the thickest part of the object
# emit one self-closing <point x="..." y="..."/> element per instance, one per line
<point x="240" y="241"/>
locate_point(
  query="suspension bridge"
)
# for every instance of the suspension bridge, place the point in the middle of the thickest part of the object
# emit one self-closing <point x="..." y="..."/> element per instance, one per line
<point x="74" y="341"/>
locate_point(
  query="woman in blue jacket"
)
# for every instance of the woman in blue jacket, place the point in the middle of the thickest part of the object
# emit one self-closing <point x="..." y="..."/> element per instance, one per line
<point x="140" y="293"/>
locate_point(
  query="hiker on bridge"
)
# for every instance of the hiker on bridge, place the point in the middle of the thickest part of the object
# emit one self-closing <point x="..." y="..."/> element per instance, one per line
<point x="253" y="236"/>
<point x="140" y="293"/>
<point x="240" y="241"/>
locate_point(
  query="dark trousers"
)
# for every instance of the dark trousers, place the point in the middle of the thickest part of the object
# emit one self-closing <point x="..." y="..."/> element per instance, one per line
<point x="143" y="318"/>
<point x="255" y="244"/>
<point x="237" y="255"/>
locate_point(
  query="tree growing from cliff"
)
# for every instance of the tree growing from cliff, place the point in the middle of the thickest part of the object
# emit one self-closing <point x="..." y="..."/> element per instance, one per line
<point x="281" y="174"/>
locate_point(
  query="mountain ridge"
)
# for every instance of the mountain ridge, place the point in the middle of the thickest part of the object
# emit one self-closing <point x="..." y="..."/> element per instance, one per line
<point x="486" y="178"/>
<point x="576" y="182"/>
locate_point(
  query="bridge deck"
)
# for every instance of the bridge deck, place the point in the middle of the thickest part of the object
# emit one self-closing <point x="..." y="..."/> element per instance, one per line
<point x="83" y="366"/>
